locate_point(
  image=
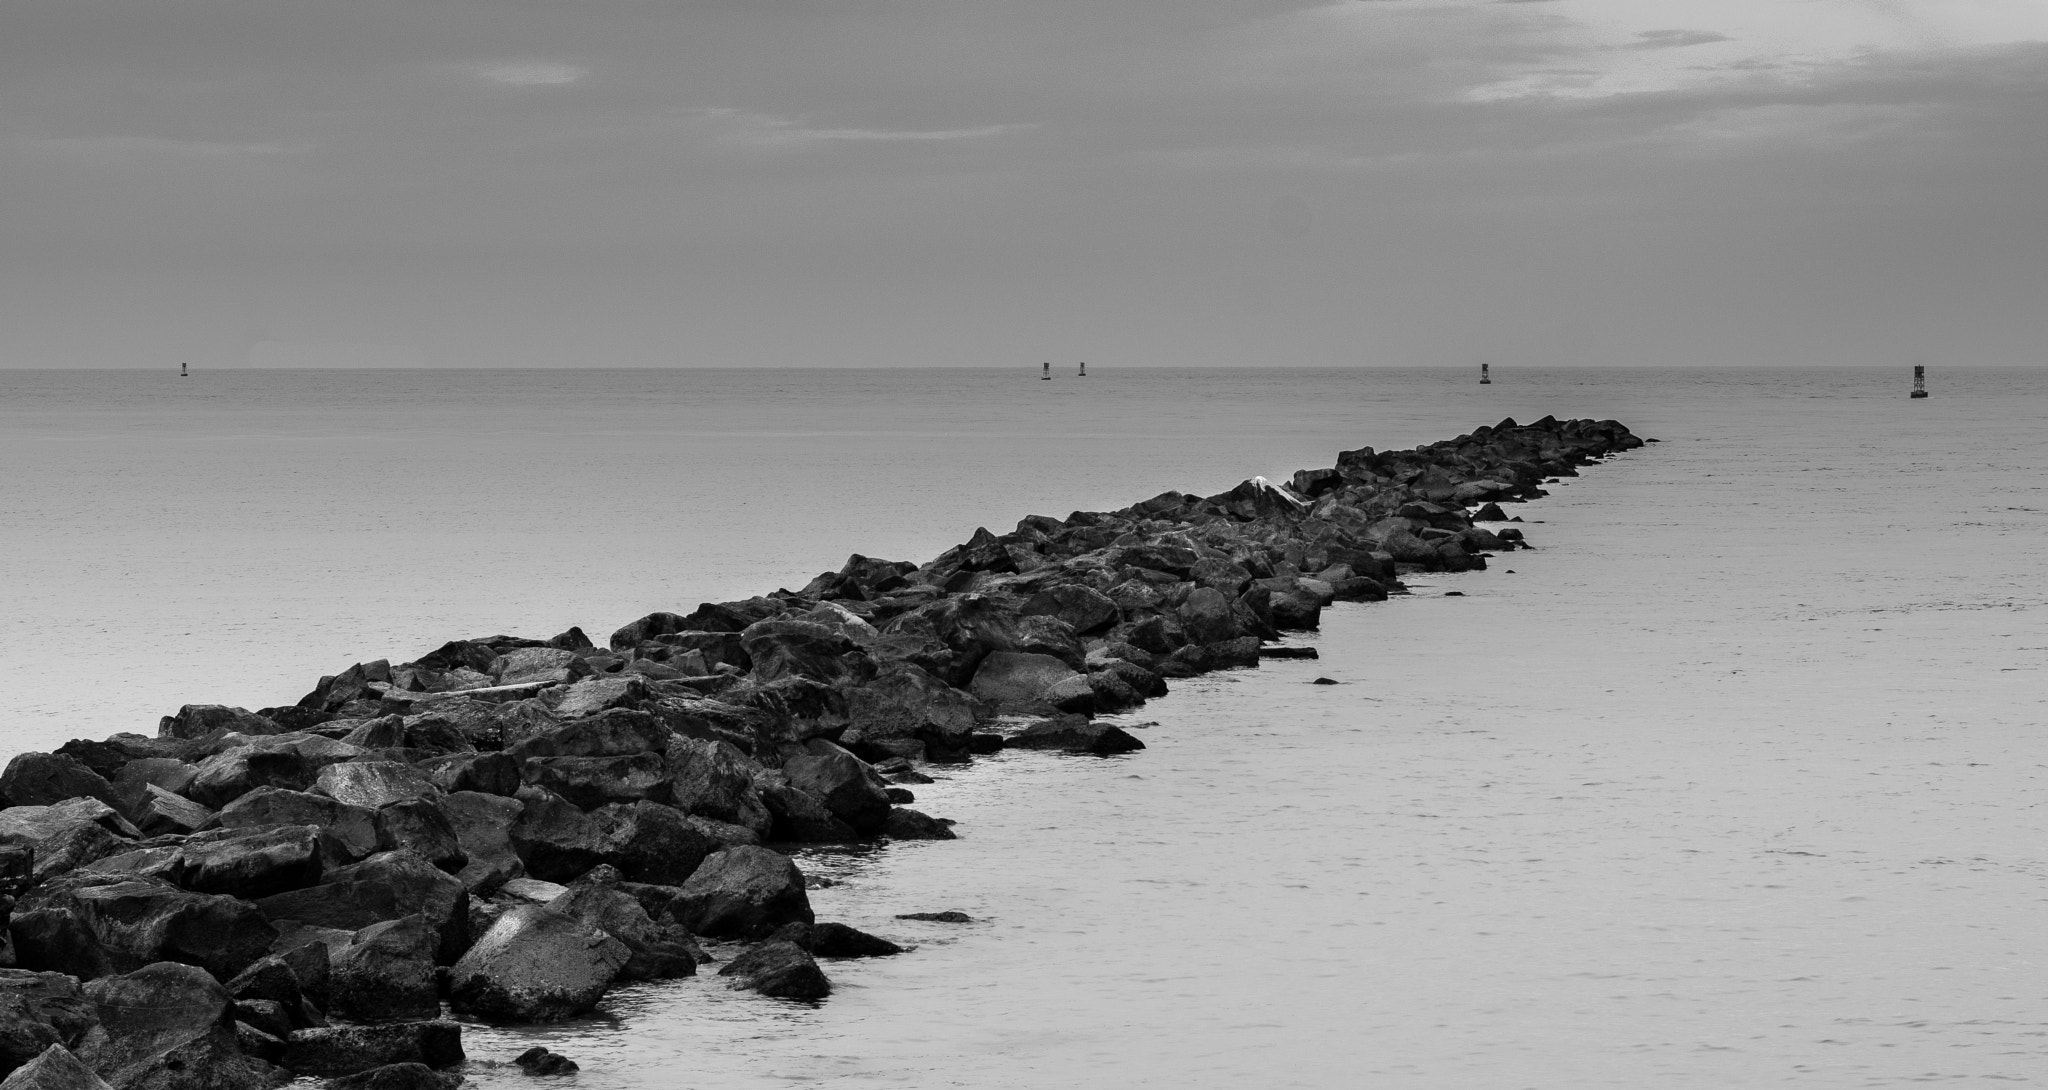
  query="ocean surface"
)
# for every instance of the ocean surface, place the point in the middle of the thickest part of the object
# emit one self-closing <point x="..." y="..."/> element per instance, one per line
<point x="1739" y="778"/>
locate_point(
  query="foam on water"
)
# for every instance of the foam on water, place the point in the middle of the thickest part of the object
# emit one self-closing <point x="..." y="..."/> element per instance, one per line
<point x="1737" y="780"/>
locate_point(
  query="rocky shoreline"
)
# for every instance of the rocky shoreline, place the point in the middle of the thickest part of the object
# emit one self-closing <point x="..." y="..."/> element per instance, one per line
<point x="504" y="828"/>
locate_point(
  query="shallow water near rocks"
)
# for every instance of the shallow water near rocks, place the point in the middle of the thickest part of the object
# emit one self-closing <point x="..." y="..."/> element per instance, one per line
<point x="1738" y="779"/>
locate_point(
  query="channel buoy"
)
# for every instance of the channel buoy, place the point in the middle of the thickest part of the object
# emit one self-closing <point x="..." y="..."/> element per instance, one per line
<point x="1485" y="379"/>
<point x="1084" y="369"/>
<point x="1919" y="380"/>
<point x="1047" y="377"/>
<point x="184" y="370"/>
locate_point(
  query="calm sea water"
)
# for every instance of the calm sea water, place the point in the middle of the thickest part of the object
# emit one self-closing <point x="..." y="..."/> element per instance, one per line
<point x="1740" y="778"/>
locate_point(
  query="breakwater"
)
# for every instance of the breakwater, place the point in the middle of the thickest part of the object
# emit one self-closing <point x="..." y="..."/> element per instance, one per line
<point x="515" y="824"/>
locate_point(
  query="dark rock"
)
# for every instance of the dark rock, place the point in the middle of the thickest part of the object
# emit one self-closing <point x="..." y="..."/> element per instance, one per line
<point x="134" y="922"/>
<point x="53" y="1000"/>
<point x="779" y="969"/>
<point x="347" y="1050"/>
<point x="55" y="1068"/>
<point x="348" y="833"/>
<point x="489" y="773"/>
<point x="948" y="916"/>
<point x="847" y="787"/>
<point x="798" y="815"/>
<point x="715" y="780"/>
<point x="170" y="1027"/>
<point x="40" y="779"/>
<point x="539" y="1061"/>
<point x="66" y="835"/>
<point x="420" y="826"/>
<point x="652" y="843"/>
<point x="656" y="951"/>
<point x="743" y="893"/>
<point x="199" y="720"/>
<point x="374" y="784"/>
<point x="835" y="940"/>
<point x="535" y="965"/>
<point x="158" y="812"/>
<point x="1490" y="513"/>
<point x="270" y="1017"/>
<point x="545" y="665"/>
<point x="23" y="1037"/>
<point x="270" y="979"/>
<point x="1324" y="681"/>
<point x="398" y="1077"/>
<point x="483" y="830"/>
<point x="1208" y="617"/>
<point x="554" y="838"/>
<point x="909" y="704"/>
<point x="1084" y="609"/>
<point x="250" y="863"/>
<point x="1074" y="734"/>
<point x="591" y="782"/>
<point x="907" y="824"/>
<point x="386" y="886"/>
<point x="387" y="973"/>
<point x="616" y="733"/>
<point x="1021" y="682"/>
<point x="258" y="1045"/>
<point x="1288" y="653"/>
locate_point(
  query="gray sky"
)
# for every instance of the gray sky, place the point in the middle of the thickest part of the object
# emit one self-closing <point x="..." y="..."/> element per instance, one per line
<point x="968" y="183"/>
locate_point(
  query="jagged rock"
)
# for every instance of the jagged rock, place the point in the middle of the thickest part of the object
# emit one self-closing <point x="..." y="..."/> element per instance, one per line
<point x="386" y="974"/>
<point x="40" y="779"/>
<point x="66" y="835"/>
<point x="373" y="784"/>
<point x="798" y="815"/>
<point x="268" y="1016"/>
<point x="92" y="925"/>
<point x="420" y="826"/>
<point x="170" y="1027"/>
<point x="549" y="665"/>
<point x="348" y="833"/>
<point x="158" y="812"/>
<point x="1013" y="681"/>
<point x="539" y="1061"/>
<point x="386" y="886"/>
<point x="591" y="782"/>
<point x="55" y="1068"/>
<point x="835" y="940"/>
<point x="1207" y="617"/>
<point x="200" y="720"/>
<point x="556" y="839"/>
<point x="907" y="824"/>
<point x="780" y="969"/>
<point x="23" y="1037"/>
<point x="271" y="979"/>
<point x="250" y="863"/>
<point x="951" y="915"/>
<point x="535" y="965"/>
<point x="489" y="773"/>
<point x="649" y="842"/>
<point x="715" y="780"/>
<point x="909" y="704"/>
<point x="845" y="784"/>
<point x="1084" y="609"/>
<point x="398" y="1077"/>
<point x="743" y="893"/>
<point x="657" y="951"/>
<point x="615" y="733"/>
<point x="1075" y="735"/>
<point x="483" y="830"/>
<point x="347" y="1050"/>
<point x="52" y="1000"/>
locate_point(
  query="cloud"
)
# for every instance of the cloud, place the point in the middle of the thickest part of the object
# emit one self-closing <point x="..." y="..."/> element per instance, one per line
<point x="158" y="147"/>
<point x="533" y="73"/>
<point x="1675" y="39"/>
<point x="770" y="131"/>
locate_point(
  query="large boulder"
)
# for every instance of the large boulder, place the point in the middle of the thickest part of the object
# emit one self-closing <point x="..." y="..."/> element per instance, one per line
<point x="54" y="1001"/>
<point x="331" y="1051"/>
<point x="657" y="951"/>
<point x="170" y="1027"/>
<point x="1074" y="734"/>
<point x="483" y="830"/>
<point x="1019" y="682"/>
<point x="783" y="648"/>
<point x="39" y="779"/>
<point x="490" y="773"/>
<point x="157" y="812"/>
<point x="616" y="733"/>
<point x="91" y="925"/>
<point x="200" y="720"/>
<point x="420" y="826"/>
<point x="781" y="969"/>
<point x="386" y="886"/>
<point x="591" y="782"/>
<point x="555" y="839"/>
<point x="715" y="780"/>
<point x="55" y="1068"/>
<point x="67" y="834"/>
<point x="909" y="705"/>
<point x="799" y="816"/>
<point x="535" y="965"/>
<point x="250" y="863"/>
<point x="743" y="893"/>
<point x="348" y="833"/>
<point x="649" y="842"/>
<point x="386" y="974"/>
<point x="1083" y="608"/>
<point x="374" y="784"/>
<point x="538" y="665"/>
<point x="843" y="782"/>
<point x="1207" y="617"/>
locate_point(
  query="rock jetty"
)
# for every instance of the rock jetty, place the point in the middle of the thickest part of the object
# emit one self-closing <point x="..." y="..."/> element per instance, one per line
<point x="503" y="828"/>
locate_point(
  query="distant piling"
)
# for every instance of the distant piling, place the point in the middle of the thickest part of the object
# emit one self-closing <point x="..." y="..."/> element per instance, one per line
<point x="1084" y="369"/>
<point x="1047" y="376"/>
<point x="1919" y="380"/>
<point x="1485" y="376"/>
<point x="184" y="370"/>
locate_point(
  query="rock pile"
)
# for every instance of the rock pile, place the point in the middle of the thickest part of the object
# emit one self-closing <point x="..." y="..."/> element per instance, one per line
<point x="511" y="826"/>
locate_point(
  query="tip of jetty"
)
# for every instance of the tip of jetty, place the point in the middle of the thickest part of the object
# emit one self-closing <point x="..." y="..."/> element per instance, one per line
<point x="505" y="827"/>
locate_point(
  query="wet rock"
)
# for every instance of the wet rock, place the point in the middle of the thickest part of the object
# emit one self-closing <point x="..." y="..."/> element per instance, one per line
<point x="51" y="1000"/>
<point x="398" y="1077"/>
<point x="387" y="973"/>
<point x="199" y="720"/>
<point x="158" y="812"/>
<point x="488" y="773"/>
<point x="126" y="923"/>
<point x="269" y="1017"/>
<point x="250" y="863"/>
<point x="1084" y="609"/>
<point x="652" y="843"/>
<point x="835" y="940"/>
<point x="616" y="733"/>
<point x="948" y="916"/>
<point x="1074" y="734"/>
<point x="386" y="886"/>
<point x="170" y="1027"/>
<point x="332" y="1051"/>
<point x="66" y="835"/>
<point x="420" y="826"/>
<point x="1022" y="682"/>
<point x="843" y="782"/>
<point x="591" y="782"/>
<point x="909" y="704"/>
<point x="546" y="665"/>
<point x="535" y="965"/>
<point x="715" y="780"/>
<point x="743" y="893"/>
<point x="348" y="833"/>
<point x="656" y="951"/>
<point x="373" y="784"/>
<point x="271" y="979"/>
<point x="539" y="1061"/>
<point x="904" y="823"/>
<point x="40" y="779"/>
<point x="799" y="816"/>
<point x="779" y="969"/>
<point x="55" y="1068"/>
<point x="483" y="830"/>
<point x="1288" y="653"/>
<point x="23" y="1037"/>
